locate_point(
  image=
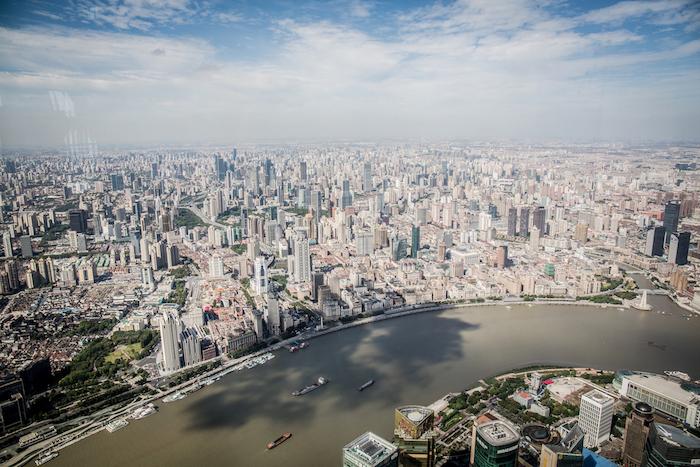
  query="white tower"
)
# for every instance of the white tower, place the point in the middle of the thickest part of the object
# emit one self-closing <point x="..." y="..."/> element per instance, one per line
<point x="169" y="332"/>
<point x="595" y="417"/>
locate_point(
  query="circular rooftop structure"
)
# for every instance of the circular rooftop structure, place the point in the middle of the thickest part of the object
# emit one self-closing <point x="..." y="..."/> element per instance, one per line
<point x="643" y="408"/>
<point x="415" y="416"/>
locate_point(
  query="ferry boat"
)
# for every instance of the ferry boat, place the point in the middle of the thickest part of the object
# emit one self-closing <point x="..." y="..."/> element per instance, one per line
<point x="366" y="385"/>
<point x="176" y="396"/>
<point x="45" y="457"/>
<point x="677" y="374"/>
<point x="321" y="381"/>
<point x="284" y="437"/>
<point x="144" y="411"/>
<point x="115" y="425"/>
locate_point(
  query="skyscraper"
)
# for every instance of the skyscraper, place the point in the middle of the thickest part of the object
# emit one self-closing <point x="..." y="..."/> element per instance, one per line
<point x="364" y="243"/>
<point x="669" y="446"/>
<point x="637" y="429"/>
<point x="7" y="244"/>
<point x="414" y="435"/>
<point x="25" y="243"/>
<point x="496" y="445"/>
<point x="367" y="177"/>
<point x="302" y="171"/>
<point x="502" y="256"/>
<point x="678" y="248"/>
<point x="302" y="259"/>
<point x="655" y="241"/>
<point x="595" y="417"/>
<point x="415" y="241"/>
<point x="260" y="284"/>
<point x="539" y="219"/>
<point x="346" y="195"/>
<point x="524" y="222"/>
<point x="169" y="332"/>
<point x="512" y="221"/>
<point x="77" y="220"/>
<point x="671" y="215"/>
<point x="216" y="267"/>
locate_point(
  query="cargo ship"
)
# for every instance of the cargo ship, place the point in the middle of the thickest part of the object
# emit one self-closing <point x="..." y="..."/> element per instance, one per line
<point x="321" y="381"/>
<point x="366" y="385"/>
<point x="278" y="441"/>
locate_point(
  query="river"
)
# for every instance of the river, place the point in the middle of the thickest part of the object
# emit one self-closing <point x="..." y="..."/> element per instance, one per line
<point x="414" y="359"/>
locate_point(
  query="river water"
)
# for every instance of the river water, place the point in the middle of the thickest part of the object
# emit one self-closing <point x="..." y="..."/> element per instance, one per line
<point x="414" y="359"/>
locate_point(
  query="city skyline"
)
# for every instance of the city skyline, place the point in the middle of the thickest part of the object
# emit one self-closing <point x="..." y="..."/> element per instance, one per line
<point x="87" y="74"/>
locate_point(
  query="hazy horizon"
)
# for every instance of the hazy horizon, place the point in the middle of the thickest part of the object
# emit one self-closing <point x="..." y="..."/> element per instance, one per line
<point x="178" y="72"/>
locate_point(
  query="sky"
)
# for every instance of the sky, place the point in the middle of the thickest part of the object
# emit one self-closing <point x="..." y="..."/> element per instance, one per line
<point x="119" y="72"/>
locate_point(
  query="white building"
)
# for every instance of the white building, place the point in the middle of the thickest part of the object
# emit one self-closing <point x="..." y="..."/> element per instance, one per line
<point x="364" y="243"/>
<point x="302" y="260"/>
<point x="169" y="333"/>
<point x="595" y="417"/>
<point x="260" y="280"/>
<point x="665" y="395"/>
<point x="369" y="450"/>
<point x="216" y="267"/>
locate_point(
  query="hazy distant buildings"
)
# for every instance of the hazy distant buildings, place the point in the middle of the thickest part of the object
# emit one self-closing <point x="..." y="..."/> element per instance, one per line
<point x="216" y="267"/>
<point x="302" y="260"/>
<point x="415" y="241"/>
<point x="524" y="222"/>
<point x="512" y="221"/>
<point x="260" y="279"/>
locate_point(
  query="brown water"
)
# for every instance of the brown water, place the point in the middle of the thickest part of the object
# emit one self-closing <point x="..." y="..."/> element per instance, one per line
<point x="415" y="359"/>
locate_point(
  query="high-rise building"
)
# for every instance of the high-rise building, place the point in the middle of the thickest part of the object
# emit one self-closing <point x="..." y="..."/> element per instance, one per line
<point x="655" y="241"/>
<point x="678" y="248"/>
<point x="7" y="244"/>
<point x="191" y="346"/>
<point x="539" y="219"/>
<point x="367" y="177"/>
<point x="637" y="429"/>
<point x="496" y="445"/>
<point x="415" y="241"/>
<point x="25" y="244"/>
<point x="512" y="221"/>
<point x="302" y="260"/>
<point x="370" y="450"/>
<point x="260" y="284"/>
<point x="169" y="333"/>
<point x="502" y="256"/>
<point x="595" y="417"/>
<point x="117" y="182"/>
<point x="524" y="222"/>
<point x="671" y="215"/>
<point x="77" y="220"/>
<point x="364" y="243"/>
<point x="567" y="453"/>
<point x="316" y="283"/>
<point x="216" y="267"/>
<point x="414" y="435"/>
<point x="346" y="195"/>
<point x="302" y="171"/>
<point x="668" y="446"/>
<point x="581" y="235"/>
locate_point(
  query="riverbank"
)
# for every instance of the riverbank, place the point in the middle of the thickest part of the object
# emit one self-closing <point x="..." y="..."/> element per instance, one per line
<point x="517" y="307"/>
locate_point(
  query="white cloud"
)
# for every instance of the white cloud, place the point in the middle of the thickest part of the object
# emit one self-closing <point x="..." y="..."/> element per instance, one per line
<point x="467" y="69"/>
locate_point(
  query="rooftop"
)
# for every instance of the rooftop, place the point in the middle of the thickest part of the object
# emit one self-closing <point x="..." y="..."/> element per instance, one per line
<point x="497" y="433"/>
<point x="598" y="397"/>
<point x="664" y="386"/>
<point x="677" y="437"/>
<point x="370" y="447"/>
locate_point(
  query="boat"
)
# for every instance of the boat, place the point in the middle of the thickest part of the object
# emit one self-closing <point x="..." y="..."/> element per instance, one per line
<point x="176" y="396"/>
<point x="45" y="457"/>
<point x="677" y="374"/>
<point x="144" y="411"/>
<point x="115" y="425"/>
<point x="284" y="437"/>
<point x="366" y="385"/>
<point x="321" y="381"/>
<point x="295" y="347"/>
